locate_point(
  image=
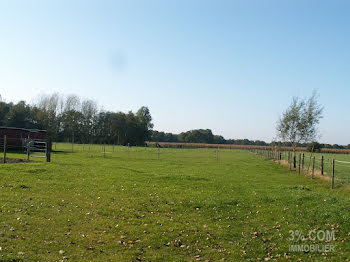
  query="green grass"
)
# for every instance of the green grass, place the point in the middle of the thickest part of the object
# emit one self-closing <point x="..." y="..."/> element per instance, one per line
<point x="186" y="206"/>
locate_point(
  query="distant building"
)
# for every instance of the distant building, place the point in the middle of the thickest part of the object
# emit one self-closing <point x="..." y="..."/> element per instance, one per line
<point x="17" y="137"/>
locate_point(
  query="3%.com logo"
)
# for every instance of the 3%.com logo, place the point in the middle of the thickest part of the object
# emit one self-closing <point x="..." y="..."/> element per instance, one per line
<point x="313" y="235"/>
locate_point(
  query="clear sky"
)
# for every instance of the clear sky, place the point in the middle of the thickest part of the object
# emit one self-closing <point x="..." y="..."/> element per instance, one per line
<point x="231" y="66"/>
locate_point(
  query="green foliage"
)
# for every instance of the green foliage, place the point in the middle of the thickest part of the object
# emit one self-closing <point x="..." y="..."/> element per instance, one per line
<point x="157" y="136"/>
<point x="17" y="115"/>
<point x="299" y="122"/>
<point x="219" y="140"/>
<point x="69" y="119"/>
<point x="314" y="147"/>
<point x="197" y="136"/>
<point x="205" y="136"/>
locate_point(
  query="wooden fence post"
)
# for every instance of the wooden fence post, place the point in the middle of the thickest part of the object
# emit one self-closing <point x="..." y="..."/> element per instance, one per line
<point x="289" y="161"/>
<point x="5" y="148"/>
<point x="322" y="165"/>
<point x="299" y="162"/>
<point x="28" y="148"/>
<point x="303" y="161"/>
<point x="48" y="150"/>
<point x="333" y="171"/>
<point x="313" y="167"/>
<point x="294" y="160"/>
<point x="288" y="156"/>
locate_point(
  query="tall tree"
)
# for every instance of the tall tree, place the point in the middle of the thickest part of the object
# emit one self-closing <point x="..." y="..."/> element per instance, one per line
<point x="71" y="115"/>
<point x="89" y="112"/>
<point x="145" y="123"/>
<point x="19" y="116"/>
<point x="298" y="124"/>
<point x="48" y="113"/>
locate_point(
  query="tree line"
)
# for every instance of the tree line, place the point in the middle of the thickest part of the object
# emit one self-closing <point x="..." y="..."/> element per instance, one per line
<point x="71" y="119"/>
<point x="206" y="136"/>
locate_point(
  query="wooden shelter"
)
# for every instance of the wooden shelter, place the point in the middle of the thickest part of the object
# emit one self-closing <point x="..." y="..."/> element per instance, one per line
<point x="16" y="137"/>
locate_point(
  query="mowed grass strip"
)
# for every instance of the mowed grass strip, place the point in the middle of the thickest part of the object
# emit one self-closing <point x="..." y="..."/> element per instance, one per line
<point x="186" y="206"/>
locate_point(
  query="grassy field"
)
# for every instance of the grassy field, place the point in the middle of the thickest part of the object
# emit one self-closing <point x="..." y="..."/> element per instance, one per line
<point x="131" y="206"/>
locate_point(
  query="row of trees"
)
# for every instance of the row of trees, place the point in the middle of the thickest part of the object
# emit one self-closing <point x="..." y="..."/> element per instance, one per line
<point x="314" y="144"/>
<point x="70" y="119"/>
<point x="205" y="136"/>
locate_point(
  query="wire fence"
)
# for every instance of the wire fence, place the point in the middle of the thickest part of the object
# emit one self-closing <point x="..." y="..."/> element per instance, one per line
<point x="334" y="167"/>
<point x="193" y="155"/>
<point x="316" y="164"/>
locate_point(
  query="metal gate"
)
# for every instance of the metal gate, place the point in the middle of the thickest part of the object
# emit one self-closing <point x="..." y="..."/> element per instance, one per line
<point x="36" y="148"/>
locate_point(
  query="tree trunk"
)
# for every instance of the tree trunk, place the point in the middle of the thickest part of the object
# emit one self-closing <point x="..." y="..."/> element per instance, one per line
<point x="294" y="155"/>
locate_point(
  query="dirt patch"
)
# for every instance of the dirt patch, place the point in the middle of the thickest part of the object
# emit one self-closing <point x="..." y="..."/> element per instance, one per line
<point x="13" y="160"/>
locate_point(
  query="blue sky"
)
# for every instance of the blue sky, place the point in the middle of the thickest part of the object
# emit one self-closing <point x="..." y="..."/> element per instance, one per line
<point x="231" y="66"/>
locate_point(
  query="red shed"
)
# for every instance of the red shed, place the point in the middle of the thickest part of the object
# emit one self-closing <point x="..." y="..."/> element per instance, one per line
<point x="16" y="136"/>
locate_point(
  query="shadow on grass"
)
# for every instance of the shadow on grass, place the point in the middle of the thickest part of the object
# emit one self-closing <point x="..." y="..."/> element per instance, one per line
<point x="131" y="169"/>
<point x="184" y="177"/>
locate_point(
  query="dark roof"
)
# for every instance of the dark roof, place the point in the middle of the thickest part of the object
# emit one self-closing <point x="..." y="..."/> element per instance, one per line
<point x="22" y="129"/>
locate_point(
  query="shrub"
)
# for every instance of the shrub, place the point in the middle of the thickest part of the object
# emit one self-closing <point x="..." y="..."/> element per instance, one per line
<point x="314" y="147"/>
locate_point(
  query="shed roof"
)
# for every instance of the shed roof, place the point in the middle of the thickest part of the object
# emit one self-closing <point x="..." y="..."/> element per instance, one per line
<point x="22" y="129"/>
